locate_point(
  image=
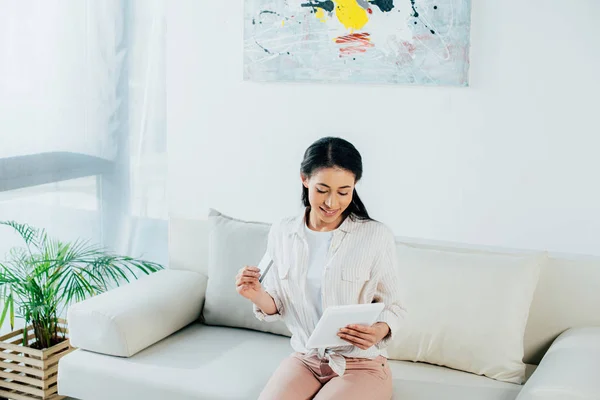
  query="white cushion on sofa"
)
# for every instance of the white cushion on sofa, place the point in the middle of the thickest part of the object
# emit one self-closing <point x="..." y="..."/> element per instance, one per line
<point x="466" y="309"/>
<point x="125" y="320"/>
<point x="234" y="243"/>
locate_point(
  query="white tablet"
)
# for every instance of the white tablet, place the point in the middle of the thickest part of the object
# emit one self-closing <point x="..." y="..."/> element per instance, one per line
<point x="335" y="318"/>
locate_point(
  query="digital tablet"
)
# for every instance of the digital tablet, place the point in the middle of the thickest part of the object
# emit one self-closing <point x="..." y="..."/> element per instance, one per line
<point x="335" y="318"/>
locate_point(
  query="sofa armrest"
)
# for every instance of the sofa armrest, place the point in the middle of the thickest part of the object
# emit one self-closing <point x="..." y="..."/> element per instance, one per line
<point x="570" y="369"/>
<point x="127" y="319"/>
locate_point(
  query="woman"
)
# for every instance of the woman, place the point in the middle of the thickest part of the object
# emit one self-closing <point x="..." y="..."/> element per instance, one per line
<point x="332" y="254"/>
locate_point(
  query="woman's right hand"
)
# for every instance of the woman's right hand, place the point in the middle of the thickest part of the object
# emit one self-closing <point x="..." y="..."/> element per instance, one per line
<point x="247" y="284"/>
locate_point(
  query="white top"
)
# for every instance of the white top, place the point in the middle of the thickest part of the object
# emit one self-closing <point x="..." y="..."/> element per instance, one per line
<point x="361" y="268"/>
<point x="318" y="246"/>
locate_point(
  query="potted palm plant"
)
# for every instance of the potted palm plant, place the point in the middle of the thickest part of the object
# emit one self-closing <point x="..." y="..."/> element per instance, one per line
<point x="38" y="281"/>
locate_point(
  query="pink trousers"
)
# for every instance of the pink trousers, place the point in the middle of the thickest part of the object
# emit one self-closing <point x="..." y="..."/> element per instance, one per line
<point x="302" y="377"/>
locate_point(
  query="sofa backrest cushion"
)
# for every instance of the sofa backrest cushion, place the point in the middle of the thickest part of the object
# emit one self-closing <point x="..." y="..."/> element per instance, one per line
<point x="233" y="244"/>
<point x="466" y="309"/>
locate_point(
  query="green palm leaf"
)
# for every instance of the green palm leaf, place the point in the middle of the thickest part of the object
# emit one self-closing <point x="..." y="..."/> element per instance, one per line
<point x="48" y="275"/>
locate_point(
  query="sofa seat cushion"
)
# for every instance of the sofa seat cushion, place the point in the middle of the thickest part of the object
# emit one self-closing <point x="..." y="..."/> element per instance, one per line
<point x="198" y="362"/>
<point x="206" y="362"/>
<point x="420" y="381"/>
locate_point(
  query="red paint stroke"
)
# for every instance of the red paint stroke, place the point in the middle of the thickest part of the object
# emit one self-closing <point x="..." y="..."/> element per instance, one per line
<point x="409" y="47"/>
<point x="362" y="38"/>
<point x="369" y="11"/>
<point x="357" y="43"/>
<point x="351" y="50"/>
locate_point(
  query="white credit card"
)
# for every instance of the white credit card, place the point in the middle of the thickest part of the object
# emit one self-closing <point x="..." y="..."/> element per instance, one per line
<point x="264" y="265"/>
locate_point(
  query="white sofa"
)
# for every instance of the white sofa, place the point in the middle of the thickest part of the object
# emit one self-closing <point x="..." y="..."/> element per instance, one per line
<point x="144" y="340"/>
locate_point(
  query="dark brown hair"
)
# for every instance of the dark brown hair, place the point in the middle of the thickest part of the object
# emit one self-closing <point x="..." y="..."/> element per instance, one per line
<point x="330" y="152"/>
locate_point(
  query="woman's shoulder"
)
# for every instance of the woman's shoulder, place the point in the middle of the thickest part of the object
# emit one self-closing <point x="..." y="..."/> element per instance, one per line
<point x="372" y="227"/>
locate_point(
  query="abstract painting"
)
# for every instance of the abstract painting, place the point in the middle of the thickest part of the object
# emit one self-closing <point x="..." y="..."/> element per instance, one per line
<point x="423" y="42"/>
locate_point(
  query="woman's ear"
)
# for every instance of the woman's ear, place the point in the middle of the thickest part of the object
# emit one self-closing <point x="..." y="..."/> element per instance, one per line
<point x="304" y="180"/>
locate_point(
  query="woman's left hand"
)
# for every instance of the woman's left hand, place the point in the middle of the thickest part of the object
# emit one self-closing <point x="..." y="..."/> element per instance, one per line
<point x="363" y="336"/>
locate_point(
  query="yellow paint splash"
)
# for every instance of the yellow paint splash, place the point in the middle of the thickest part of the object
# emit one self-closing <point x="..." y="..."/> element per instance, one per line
<point x="283" y="22"/>
<point x="351" y="14"/>
<point x="320" y="14"/>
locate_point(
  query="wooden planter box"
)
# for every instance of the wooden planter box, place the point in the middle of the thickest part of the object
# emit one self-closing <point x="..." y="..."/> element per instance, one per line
<point x="27" y="373"/>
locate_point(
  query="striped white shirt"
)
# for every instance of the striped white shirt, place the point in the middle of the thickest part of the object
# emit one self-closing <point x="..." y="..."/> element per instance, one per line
<point x="360" y="268"/>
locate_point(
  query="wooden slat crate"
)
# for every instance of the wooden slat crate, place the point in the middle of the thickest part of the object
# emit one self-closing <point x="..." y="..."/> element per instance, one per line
<point x="27" y="373"/>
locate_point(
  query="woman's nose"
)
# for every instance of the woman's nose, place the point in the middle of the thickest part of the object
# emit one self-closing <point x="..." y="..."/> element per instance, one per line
<point x="330" y="202"/>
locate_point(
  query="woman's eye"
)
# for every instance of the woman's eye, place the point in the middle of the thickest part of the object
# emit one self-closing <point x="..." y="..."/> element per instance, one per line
<point x="343" y="194"/>
<point x="321" y="191"/>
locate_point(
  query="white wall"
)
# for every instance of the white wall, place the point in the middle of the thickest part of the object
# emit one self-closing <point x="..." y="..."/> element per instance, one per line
<point x="513" y="160"/>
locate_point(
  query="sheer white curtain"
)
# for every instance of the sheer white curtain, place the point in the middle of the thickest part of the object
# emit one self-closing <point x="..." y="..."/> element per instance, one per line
<point x="82" y="122"/>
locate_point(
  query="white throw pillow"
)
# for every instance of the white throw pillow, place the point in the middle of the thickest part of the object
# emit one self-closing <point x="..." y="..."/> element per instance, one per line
<point x="233" y="244"/>
<point x="466" y="310"/>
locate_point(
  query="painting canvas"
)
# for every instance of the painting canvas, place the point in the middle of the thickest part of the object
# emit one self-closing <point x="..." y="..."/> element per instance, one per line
<point x="424" y="42"/>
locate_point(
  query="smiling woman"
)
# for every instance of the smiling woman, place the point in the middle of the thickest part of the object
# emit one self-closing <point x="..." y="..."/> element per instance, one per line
<point x="328" y="182"/>
<point x="332" y="254"/>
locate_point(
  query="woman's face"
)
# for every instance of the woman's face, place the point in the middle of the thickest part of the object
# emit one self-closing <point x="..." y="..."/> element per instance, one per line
<point x="329" y="193"/>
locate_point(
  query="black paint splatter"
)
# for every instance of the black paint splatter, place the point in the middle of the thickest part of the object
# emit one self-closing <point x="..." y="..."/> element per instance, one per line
<point x="325" y="5"/>
<point x="265" y="49"/>
<point x="415" y="13"/>
<point x="260" y="14"/>
<point x="384" y="5"/>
